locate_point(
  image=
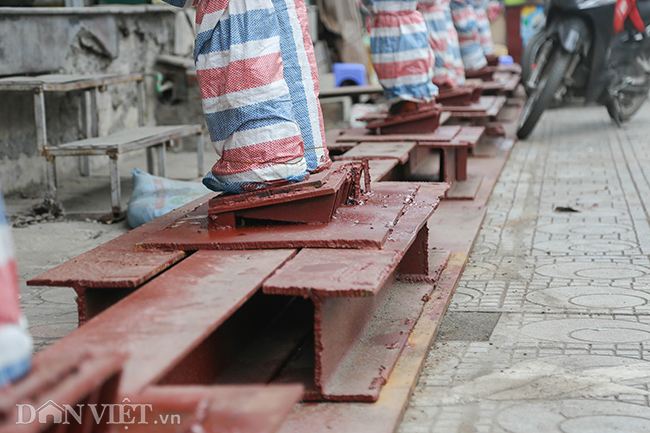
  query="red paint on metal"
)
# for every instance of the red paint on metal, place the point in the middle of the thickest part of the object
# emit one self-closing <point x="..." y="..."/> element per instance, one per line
<point x="215" y="409"/>
<point x="415" y="263"/>
<point x="484" y="74"/>
<point x="399" y="150"/>
<point x="161" y="323"/>
<point x="455" y="96"/>
<point x="443" y="133"/>
<point x="269" y="195"/>
<point x="487" y="107"/>
<point x="329" y="272"/>
<point x="311" y="201"/>
<point x="383" y="169"/>
<point x="366" y="227"/>
<point x="422" y="120"/>
<point x="350" y="290"/>
<point x="115" y="264"/>
<point x="358" y="340"/>
<point x="67" y="379"/>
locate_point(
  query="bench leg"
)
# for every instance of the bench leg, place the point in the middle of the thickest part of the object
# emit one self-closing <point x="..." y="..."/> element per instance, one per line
<point x="116" y="191"/>
<point x="162" y="157"/>
<point x="150" y="151"/>
<point x="200" y="154"/>
<point x="41" y="143"/>
<point x="50" y="173"/>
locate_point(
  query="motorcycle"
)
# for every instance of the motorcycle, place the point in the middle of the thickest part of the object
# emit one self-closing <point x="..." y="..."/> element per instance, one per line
<point x="590" y="48"/>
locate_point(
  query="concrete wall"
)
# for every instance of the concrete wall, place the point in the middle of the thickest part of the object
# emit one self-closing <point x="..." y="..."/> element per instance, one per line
<point x="115" y="39"/>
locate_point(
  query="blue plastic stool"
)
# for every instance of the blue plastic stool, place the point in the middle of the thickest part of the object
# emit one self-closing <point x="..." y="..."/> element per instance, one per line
<point x="506" y="60"/>
<point x="354" y="72"/>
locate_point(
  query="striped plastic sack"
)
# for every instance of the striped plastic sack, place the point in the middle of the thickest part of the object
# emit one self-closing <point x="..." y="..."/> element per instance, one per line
<point x="400" y="51"/>
<point x="435" y="18"/>
<point x="454" y="45"/>
<point x="257" y="75"/>
<point x="15" y="342"/>
<point x="484" y="30"/>
<point x="469" y="38"/>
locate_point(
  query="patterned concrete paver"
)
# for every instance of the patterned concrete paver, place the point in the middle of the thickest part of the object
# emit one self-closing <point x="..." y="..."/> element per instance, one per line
<point x="562" y="259"/>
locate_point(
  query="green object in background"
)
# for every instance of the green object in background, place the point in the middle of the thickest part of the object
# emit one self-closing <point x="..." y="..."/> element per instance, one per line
<point x="514" y="2"/>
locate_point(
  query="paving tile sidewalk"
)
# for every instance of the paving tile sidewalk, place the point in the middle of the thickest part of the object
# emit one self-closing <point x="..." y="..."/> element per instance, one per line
<point x="558" y="285"/>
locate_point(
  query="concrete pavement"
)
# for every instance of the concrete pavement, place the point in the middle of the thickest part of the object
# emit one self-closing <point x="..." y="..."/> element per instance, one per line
<point x="549" y="329"/>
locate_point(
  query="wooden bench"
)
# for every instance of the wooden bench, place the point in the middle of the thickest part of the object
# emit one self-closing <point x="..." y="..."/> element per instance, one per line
<point x="152" y="138"/>
<point x="112" y="145"/>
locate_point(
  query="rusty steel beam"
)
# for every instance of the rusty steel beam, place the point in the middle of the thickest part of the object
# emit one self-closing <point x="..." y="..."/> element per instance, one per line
<point x="443" y="133"/>
<point x="423" y="120"/>
<point x="214" y="409"/>
<point x="66" y="379"/>
<point x="363" y="308"/>
<point x="170" y="321"/>
<point x="365" y="227"/>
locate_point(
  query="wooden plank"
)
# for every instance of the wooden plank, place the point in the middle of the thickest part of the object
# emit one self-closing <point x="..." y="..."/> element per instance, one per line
<point x="106" y="267"/>
<point x="365" y="227"/>
<point x="127" y="140"/>
<point x="223" y="408"/>
<point x="443" y="133"/>
<point x="65" y="82"/>
<point x="163" y="321"/>
<point x="399" y="150"/>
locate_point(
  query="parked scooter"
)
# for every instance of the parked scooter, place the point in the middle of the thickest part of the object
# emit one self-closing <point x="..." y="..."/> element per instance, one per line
<point x="591" y="49"/>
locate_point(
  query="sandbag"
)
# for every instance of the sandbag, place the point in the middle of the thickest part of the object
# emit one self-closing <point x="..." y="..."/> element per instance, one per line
<point x="154" y="196"/>
<point x="400" y="51"/>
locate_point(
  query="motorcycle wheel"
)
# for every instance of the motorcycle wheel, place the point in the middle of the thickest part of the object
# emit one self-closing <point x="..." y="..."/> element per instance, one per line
<point x="549" y="82"/>
<point x="529" y="57"/>
<point x="629" y="103"/>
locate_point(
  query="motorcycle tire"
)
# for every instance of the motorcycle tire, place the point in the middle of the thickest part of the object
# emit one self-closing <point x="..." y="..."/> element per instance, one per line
<point x="634" y="103"/>
<point x="540" y="99"/>
<point x="529" y="57"/>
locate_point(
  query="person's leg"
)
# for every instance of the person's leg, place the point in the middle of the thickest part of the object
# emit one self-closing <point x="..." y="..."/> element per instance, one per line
<point x="301" y="74"/>
<point x="434" y="17"/>
<point x="401" y="53"/>
<point x="466" y="25"/>
<point x="484" y="30"/>
<point x="15" y="342"/>
<point x="247" y="103"/>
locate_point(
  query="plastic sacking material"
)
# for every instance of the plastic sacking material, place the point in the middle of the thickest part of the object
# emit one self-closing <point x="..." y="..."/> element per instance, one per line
<point x="15" y="342"/>
<point x="154" y="196"/>
<point x="483" y="22"/>
<point x="444" y="43"/>
<point x="466" y="24"/>
<point x="258" y="78"/>
<point x="400" y="51"/>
